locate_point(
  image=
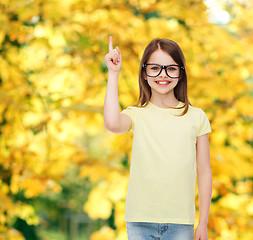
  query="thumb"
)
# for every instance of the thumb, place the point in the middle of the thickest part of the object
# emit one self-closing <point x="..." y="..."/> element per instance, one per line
<point x="197" y="236"/>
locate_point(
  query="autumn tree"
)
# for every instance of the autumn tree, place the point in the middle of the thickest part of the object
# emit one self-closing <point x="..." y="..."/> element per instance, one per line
<point x="53" y="80"/>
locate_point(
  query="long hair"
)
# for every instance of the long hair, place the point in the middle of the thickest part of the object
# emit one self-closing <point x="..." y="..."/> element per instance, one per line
<point x="180" y="91"/>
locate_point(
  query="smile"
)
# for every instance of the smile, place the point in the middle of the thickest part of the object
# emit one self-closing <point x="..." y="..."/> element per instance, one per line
<point x="163" y="83"/>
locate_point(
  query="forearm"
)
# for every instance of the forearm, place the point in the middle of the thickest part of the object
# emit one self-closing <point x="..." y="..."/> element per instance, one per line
<point x="111" y="104"/>
<point x="205" y="195"/>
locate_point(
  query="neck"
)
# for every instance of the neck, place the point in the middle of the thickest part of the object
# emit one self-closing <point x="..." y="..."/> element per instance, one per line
<point x="164" y="102"/>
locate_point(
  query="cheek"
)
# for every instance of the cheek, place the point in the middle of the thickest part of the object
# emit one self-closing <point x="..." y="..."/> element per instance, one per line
<point x="175" y="82"/>
<point x="151" y="82"/>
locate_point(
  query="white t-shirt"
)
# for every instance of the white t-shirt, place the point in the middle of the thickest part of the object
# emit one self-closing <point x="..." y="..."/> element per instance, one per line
<point x="162" y="177"/>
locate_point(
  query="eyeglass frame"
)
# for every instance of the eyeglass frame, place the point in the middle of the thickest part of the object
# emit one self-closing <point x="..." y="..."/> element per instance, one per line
<point x="162" y="67"/>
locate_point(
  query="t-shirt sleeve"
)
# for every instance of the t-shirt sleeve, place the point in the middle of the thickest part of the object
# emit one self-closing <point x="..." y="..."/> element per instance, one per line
<point x="131" y="113"/>
<point x="204" y="126"/>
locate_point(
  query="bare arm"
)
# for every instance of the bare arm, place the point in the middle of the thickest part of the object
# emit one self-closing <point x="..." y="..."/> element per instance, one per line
<point x="204" y="184"/>
<point x="111" y="104"/>
<point x="113" y="120"/>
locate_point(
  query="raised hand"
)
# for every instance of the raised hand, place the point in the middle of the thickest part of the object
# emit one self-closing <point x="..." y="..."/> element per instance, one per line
<point x="113" y="58"/>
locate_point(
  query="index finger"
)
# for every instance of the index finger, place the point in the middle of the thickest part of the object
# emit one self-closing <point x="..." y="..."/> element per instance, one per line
<point x="110" y="44"/>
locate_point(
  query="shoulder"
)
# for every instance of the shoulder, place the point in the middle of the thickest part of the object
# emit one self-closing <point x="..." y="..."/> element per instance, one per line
<point x="197" y="114"/>
<point x="131" y="108"/>
<point x="202" y="121"/>
<point x="200" y="116"/>
<point x="196" y="111"/>
<point x="131" y="111"/>
<point x="134" y="108"/>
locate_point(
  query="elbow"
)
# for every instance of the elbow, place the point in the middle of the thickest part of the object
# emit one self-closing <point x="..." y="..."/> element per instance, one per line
<point x="205" y="174"/>
<point x="111" y="127"/>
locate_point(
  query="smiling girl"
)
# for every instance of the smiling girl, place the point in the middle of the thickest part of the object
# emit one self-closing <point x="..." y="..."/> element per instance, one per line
<point x="170" y="146"/>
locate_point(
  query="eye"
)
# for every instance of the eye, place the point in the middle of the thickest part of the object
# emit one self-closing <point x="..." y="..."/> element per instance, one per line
<point x="155" y="68"/>
<point x="171" y="69"/>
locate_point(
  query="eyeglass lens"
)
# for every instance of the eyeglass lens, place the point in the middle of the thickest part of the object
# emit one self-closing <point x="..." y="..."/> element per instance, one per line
<point x="154" y="70"/>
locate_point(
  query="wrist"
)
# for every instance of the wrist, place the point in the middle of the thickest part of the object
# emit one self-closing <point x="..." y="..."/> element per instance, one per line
<point x="203" y="222"/>
<point x="113" y="73"/>
<point x="113" y="77"/>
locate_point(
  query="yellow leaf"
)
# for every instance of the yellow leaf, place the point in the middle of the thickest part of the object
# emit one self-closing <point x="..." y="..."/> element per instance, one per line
<point x="120" y="214"/>
<point x="233" y="201"/>
<point x="98" y="206"/>
<point x="105" y="233"/>
<point x="33" y="187"/>
<point x="13" y="234"/>
<point x="219" y="137"/>
<point x="117" y="186"/>
<point x="249" y="208"/>
<point x="27" y="213"/>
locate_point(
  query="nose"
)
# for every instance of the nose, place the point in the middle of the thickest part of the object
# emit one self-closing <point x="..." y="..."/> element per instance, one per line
<point x="163" y="73"/>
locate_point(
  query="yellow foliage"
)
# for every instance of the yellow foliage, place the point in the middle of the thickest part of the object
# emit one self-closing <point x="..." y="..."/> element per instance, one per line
<point x="105" y="233"/>
<point x="219" y="137"/>
<point x="52" y="88"/>
<point x="2" y="35"/>
<point x="244" y="187"/>
<point x="54" y="186"/>
<point x="26" y="212"/>
<point x="15" y="181"/>
<point x="98" y="205"/>
<point x="117" y="186"/>
<point x="249" y="208"/>
<point x="3" y="219"/>
<point x="94" y="172"/>
<point x="39" y="144"/>
<point x="38" y="48"/>
<point x="33" y="187"/>
<point x="233" y="201"/>
<point x="4" y="188"/>
<point x="13" y="234"/>
<point x="120" y="214"/>
<point x="244" y="105"/>
<point x="121" y="234"/>
<point x="57" y="39"/>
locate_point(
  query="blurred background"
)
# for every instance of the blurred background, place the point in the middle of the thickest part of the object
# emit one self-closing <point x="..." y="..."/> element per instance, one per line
<point x="63" y="175"/>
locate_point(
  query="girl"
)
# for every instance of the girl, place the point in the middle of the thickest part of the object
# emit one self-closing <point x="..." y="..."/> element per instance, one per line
<point x="170" y="146"/>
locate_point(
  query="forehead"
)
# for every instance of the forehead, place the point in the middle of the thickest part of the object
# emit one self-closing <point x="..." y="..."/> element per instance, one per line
<point x="161" y="57"/>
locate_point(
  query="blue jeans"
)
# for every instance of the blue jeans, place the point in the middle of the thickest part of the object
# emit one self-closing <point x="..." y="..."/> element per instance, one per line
<point x="159" y="231"/>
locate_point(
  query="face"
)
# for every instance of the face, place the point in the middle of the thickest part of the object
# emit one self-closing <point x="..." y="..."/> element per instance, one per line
<point x="157" y="84"/>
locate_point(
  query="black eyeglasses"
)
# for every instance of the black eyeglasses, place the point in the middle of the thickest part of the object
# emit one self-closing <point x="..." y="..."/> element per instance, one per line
<point x="153" y="70"/>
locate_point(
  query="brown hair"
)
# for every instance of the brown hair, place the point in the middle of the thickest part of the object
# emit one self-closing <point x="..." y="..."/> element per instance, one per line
<point x="173" y="49"/>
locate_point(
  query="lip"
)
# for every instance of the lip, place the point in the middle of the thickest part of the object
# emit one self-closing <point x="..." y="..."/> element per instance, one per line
<point x="163" y="85"/>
